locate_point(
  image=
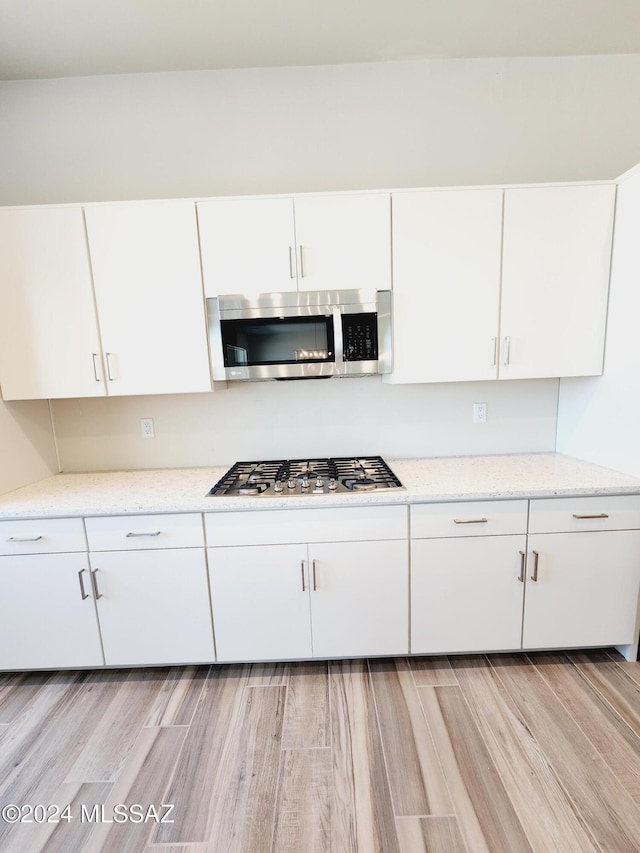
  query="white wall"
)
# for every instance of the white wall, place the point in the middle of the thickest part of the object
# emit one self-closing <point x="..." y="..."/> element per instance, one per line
<point x="423" y="123"/>
<point x="599" y="418"/>
<point x="27" y="450"/>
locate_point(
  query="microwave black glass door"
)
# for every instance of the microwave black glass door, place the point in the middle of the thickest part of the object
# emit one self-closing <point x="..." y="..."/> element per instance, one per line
<point x="277" y="340"/>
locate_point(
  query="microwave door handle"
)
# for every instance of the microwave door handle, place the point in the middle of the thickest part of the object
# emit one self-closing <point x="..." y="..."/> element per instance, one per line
<point x="337" y="340"/>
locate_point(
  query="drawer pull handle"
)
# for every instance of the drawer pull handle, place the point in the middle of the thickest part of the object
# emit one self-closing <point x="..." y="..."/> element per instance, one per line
<point x="304" y="589"/>
<point x="82" y="592"/>
<point x="470" y="520"/>
<point x="536" y="557"/>
<point x="596" y="515"/>
<point x="94" y="584"/>
<point x="315" y="583"/>
<point x="522" y="558"/>
<point x="24" y="538"/>
<point x="136" y="535"/>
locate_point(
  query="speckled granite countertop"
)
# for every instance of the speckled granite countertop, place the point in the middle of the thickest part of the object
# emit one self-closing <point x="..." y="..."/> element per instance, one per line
<point x="431" y="479"/>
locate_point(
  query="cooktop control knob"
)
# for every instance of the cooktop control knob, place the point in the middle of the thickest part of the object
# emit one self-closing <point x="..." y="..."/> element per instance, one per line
<point x="292" y="483"/>
<point x="319" y="483"/>
<point x="333" y="485"/>
<point x="304" y="483"/>
<point x="277" y="486"/>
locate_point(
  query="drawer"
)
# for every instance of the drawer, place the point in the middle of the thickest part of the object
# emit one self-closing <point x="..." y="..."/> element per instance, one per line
<point x="566" y="515"/>
<point x="144" y="532"/>
<point x="335" y="524"/>
<point x="468" y="518"/>
<point x="42" y="536"/>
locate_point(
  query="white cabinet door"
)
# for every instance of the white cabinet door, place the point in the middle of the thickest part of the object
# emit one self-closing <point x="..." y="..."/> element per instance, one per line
<point x="446" y="285"/>
<point x="555" y="279"/>
<point x="153" y="606"/>
<point x="146" y="271"/>
<point x="49" y="345"/>
<point x="45" y="623"/>
<point x="586" y="591"/>
<point x="359" y="598"/>
<point x="344" y="241"/>
<point x="248" y="246"/>
<point x="260" y="598"/>
<point x="466" y="594"/>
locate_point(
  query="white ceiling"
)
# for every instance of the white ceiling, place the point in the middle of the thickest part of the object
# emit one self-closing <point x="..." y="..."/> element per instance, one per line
<point x="61" y="38"/>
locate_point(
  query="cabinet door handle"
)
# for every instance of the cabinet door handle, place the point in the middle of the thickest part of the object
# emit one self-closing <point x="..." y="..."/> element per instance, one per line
<point x="132" y="535"/>
<point x="596" y="515"/>
<point x="94" y="584"/>
<point x="507" y="351"/>
<point x="304" y="588"/>
<point x="470" y="520"/>
<point x="536" y="557"/>
<point x="24" y="538"/>
<point x="82" y="592"/>
<point x="302" y="270"/>
<point x="494" y="351"/>
<point x="95" y="367"/>
<point x="108" y="357"/>
<point x="315" y="583"/>
<point x="522" y="559"/>
<point x="292" y="273"/>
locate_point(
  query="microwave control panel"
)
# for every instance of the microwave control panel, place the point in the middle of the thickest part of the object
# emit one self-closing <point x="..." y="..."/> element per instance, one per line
<point x="360" y="336"/>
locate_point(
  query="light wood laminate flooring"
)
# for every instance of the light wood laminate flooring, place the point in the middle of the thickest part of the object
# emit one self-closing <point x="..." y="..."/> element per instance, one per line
<point x="537" y="752"/>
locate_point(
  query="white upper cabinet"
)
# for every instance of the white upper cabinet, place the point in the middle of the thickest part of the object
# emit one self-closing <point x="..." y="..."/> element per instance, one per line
<point x="446" y="277"/>
<point x="146" y="272"/>
<point x="343" y="241"/>
<point x="49" y="344"/>
<point x="248" y="245"/>
<point x="555" y="280"/>
<point x="324" y="242"/>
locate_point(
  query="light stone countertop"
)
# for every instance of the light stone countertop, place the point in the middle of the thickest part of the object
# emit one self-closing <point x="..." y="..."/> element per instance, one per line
<point x="456" y="478"/>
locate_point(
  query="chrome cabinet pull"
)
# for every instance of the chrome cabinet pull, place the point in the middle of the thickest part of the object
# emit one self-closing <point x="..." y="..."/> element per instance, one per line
<point x="292" y="273"/>
<point x="315" y="584"/>
<point x="82" y="592"/>
<point x="95" y="368"/>
<point x="507" y="351"/>
<point x="536" y="557"/>
<point x="522" y="559"/>
<point x="24" y="538"/>
<point x="596" y="515"/>
<point x="302" y="270"/>
<point x="470" y="520"/>
<point x="94" y="584"/>
<point x="108" y="357"/>
<point x="304" y="588"/>
<point x="494" y="351"/>
<point x="132" y="535"/>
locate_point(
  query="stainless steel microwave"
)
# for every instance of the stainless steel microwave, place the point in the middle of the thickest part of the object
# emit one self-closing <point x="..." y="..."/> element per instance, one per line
<point x="302" y="335"/>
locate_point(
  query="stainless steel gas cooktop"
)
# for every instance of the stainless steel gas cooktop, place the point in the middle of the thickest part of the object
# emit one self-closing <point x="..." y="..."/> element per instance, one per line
<point x="285" y="478"/>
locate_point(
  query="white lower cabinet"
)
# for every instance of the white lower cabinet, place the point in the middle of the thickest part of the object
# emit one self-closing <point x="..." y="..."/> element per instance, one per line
<point x="153" y="606"/>
<point x="47" y="613"/>
<point x="342" y="598"/>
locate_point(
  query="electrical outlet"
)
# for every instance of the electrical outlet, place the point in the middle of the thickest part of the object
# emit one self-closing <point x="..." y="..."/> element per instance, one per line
<point x="146" y="428"/>
<point x="479" y="413"/>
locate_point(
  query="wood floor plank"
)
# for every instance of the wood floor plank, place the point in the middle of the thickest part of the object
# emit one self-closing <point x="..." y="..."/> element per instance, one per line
<point x="39" y="748"/>
<point x="545" y="810"/>
<point x="612" y="681"/>
<point x="616" y="742"/>
<point x="415" y="775"/>
<point x="306" y="720"/>
<point x="488" y="821"/>
<point x="602" y="801"/>
<point x="274" y="674"/>
<point x="18" y="691"/>
<point x="362" y="811"/>
<point x="219" y="706"/>
<point x="303" y="809"/>
<point x="178" y="697"/>
<point x="435" y="671"/>
<point x="178" y="848"/>
<point x="243" y="798"/>
<point x="116" y="729"/>
<point x="430" y="835"/>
